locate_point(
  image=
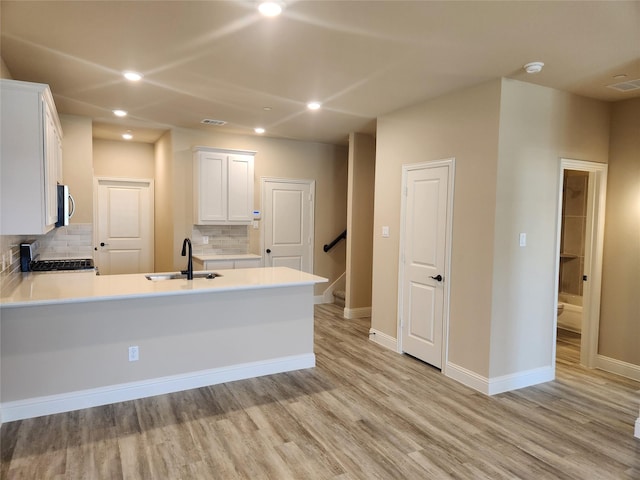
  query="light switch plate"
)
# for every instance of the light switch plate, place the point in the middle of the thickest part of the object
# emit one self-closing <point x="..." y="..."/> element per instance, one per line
<point x="385" y="231"/>
<point x="523" y="239"/>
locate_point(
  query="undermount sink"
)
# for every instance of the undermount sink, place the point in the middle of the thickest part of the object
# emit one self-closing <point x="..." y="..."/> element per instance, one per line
<point x="155" y="277"/>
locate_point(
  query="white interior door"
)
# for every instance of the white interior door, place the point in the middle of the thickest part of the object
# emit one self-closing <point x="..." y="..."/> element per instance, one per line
<point x="424" y="265"/>
<point x="124" y="226"/>
<point x="287" y="209"/>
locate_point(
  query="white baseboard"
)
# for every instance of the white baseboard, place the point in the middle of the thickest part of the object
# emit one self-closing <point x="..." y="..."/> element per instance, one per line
<point x="505" y="383"/>
<point x="66" y="402"/>
<point x="383" y="339"/>
<point x="360" y="312"/>
<point x="618" y="367"/>
<point x="467" y="377"/>
<point x="319" y="299"/>
<point x="518" y="380"/>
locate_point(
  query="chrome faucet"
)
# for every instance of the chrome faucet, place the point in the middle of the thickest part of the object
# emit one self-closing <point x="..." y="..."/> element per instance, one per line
<point x="189" y="270"/>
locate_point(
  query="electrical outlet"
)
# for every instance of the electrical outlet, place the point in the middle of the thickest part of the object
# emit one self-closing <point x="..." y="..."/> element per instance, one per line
<point x="205" y="239"/>
<point x="134" y="353"/>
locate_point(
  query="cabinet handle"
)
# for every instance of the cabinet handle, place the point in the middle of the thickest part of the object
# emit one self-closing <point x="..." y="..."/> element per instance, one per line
<point x="102" y="244"/>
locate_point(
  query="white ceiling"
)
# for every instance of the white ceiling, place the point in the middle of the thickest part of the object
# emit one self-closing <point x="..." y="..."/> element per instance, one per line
<point x="361" y="59"/>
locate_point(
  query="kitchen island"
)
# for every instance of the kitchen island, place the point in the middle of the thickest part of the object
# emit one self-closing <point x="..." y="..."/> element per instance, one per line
<point x="66" y="337"/>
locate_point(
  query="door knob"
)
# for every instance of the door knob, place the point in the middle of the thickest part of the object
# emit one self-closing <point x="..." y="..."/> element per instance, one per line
<point x="437" y="278"/>
<point x="268" y="250"/>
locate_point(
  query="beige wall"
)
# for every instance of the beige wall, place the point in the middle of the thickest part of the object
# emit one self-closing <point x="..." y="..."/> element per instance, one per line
<point x="4" y="71"/>
<point x="164" y="190"/>
<point x="77" y="171"/>
<point x="324" y="163"/>
<point x="620" y="301"/>
<point x="360" y="196"/>
<point x="463" y="125"/>
<point x="538" y="125"/>
<point x="507" y="138"/>
<point x="112" y="158"/>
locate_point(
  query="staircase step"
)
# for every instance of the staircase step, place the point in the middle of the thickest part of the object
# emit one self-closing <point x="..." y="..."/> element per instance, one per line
<point x="339" y="297"/>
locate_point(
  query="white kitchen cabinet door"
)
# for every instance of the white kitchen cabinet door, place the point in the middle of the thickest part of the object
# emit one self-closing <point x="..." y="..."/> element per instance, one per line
<point x="223" y="186"/>
<point x="52" y="166"/>
<point x="210" y="182"/>
<point x="31" y="158"/>
<point x="240" y="188"/>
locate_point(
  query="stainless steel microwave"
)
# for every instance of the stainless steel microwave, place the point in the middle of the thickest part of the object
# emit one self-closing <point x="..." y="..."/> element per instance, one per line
<point x="66" y="206"/>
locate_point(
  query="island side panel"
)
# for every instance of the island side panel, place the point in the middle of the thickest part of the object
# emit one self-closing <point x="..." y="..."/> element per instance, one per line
<point x="64" y="348"/>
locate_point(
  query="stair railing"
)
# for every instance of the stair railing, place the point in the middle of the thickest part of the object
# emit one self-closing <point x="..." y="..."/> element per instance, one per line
<point x="328" y="247"/>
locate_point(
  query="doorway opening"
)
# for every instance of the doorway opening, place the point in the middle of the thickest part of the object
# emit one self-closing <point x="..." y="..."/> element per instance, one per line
<point x="572" y="249"/>
<point x="579" y="255"/>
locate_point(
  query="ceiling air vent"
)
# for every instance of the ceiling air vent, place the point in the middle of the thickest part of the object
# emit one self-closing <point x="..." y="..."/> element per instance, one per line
<point x="627" y="86"/>
<point x="210" y="121"/>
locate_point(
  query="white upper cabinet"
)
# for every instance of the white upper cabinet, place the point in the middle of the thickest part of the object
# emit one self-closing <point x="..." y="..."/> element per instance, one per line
<point x="222" y="186"/>
<point x="30" y="158"/>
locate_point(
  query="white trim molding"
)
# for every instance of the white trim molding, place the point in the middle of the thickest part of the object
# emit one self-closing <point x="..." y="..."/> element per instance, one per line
<point x="636" y="432"/>
<point x="383" y="339"/>
<point x="361" y="312"/>
<point x="618" y="367"/>
<point x="504" y="383"/>
<point x="66" y="402"/>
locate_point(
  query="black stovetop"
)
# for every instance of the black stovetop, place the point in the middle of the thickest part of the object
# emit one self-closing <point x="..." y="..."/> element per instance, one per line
<point x="59" y="265"/>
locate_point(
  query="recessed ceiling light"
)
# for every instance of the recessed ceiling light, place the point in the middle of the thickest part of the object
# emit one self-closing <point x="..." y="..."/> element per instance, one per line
<point x="127" y="136"/>
<point x="533" y="67"/>
<point x="133" y="76"/>
<point x="259" y="130"/>
<point x="314" y="105"/>
<point x="620" y="76"/>
<point x="270" y="9"/>
<point x="266" y="109"/>
<point x="120" y="113"/>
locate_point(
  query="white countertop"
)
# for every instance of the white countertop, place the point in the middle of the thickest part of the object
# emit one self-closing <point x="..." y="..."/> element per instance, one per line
<point x="70" y="287"/>
<point x="228" y="256"/>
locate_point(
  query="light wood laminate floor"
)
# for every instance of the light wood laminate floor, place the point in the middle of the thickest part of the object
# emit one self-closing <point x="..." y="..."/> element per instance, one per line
<point x="364" y="412"/>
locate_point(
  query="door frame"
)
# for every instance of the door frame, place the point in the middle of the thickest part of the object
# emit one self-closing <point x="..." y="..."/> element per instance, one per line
<point x="96" y="194"/>
<point x="312" y="222"/>
<point x="594" y="246"/>
<point x="451" y="163"/>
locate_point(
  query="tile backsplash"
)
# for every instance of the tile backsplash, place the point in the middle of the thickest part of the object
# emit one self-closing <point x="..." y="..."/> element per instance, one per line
<point x="10" y="273"/>
<point x="72" y="241"/>
<point x="223" y="239"/>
